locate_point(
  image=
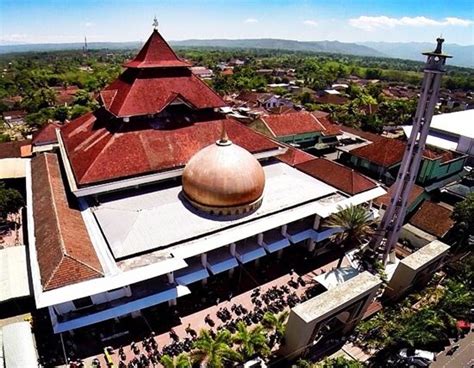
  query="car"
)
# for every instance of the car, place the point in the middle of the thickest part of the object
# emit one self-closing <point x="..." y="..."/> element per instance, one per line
<point x="417" y="357"/>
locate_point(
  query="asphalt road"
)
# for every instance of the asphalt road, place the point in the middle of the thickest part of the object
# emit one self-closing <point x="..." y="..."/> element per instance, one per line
<point x="462" y="358"/>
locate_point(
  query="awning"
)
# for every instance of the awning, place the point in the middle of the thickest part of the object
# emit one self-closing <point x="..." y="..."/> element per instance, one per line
<point x="193" y="273"/>
<point x="122" y="309"/>
<point x="13" y="273"/>
<point x="220" y="260"/>
<point x="273" y="241"/>
<point x="298" y="235"/>
<point x="249" y="250"/>
<point x="19" y="346"/>
<point x="335" y="277"/>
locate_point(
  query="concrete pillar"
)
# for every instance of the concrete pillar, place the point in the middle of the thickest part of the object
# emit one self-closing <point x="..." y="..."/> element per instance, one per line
<point x="232" y="249"/>
<point x="170" y="277"/>
<point x="204" y="259"/>
<point x="370" y="204"/>
<point x="284" y="228"/>
<point x="260" y="239"/>
<point x="311" y="245"/>
<point x="204" y="281"/>
<point x="231" y="272"/>
<point x="172" y="302"/>
<point x="317" y="221"/>
<point x="257" y="262"/>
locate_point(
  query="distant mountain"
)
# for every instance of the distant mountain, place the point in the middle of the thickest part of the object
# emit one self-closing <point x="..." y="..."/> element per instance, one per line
<point x="41" y="47"/>
<point x="462" y="55"/>
<point x="335" y="47"/>
<point x="275" y="44"/>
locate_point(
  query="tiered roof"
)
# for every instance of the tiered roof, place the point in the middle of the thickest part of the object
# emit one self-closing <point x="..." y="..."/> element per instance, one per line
<point x="155" y="116"/>
<point x="98" y="154"/>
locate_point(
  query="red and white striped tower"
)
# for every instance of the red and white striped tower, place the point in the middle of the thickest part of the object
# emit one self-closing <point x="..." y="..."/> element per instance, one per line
<point x="388" y="232"/>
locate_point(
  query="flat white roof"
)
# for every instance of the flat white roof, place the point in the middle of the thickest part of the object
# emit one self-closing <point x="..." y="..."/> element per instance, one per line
<point x="160" y="218"/>
<point x="433" y="140"/>
<point x="13" y="273"/>
<point x="459" y="123"/>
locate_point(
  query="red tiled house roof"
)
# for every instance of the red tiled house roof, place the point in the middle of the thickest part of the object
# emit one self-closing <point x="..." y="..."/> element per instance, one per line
<point x="433" y="219"/>
<point x="294" y="156"/>
<point x="13" y="149"/>
<point x="337" y="175"/>
<point x="64" y="251"/>
<point x="387" y="152"/>
<point x="156" y="53"/>
<point x="46" y="135"/>
<point x="295" y="123"/>
<point x="97" y="154"/>
<point x="414" y="195"/>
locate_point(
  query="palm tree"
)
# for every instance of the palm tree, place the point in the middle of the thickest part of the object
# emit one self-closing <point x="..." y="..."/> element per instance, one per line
<point x="181" y="361"/>
<point x="213" y="353"/>
<point x="276" y="322"/>
<point x="355" y="224"/>
<point x="252" y="342"/>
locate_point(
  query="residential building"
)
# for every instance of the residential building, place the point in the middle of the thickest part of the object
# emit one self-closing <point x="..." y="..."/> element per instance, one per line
<point x="301" y="129"/>
<point x="380" y="157"/>
<point x="452" y="131"/>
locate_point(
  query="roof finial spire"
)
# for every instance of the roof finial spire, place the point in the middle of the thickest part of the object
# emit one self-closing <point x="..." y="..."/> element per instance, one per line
<point x="155" y="23"/>
<point x="224" y="139"/>
<point x="439" y="46"/>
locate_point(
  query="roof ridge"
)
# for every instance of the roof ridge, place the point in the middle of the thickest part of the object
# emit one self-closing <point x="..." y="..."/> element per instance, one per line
<point x="112" y="136"/>
<point x="84" y="264"/>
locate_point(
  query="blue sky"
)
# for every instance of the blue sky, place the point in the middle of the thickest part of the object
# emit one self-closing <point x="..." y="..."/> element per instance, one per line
<point x="41" y="21"/>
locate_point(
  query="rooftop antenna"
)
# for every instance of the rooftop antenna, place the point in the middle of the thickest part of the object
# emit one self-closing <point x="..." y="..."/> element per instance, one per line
<point x="155" y="23"/>
<point x="388" y="232"/>
<point x="85" y="45"/>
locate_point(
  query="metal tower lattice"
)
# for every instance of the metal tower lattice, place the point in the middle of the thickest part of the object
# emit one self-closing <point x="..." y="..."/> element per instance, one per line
<point x="389" y="229"/>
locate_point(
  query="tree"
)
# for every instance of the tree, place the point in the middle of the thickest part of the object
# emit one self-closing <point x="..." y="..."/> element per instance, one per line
<point x="213" y="353"/>
<point x="463" y="216"/>
<point x="339" y="362"/>
<point x="275" y="322"/>
<point x="181" y="361"/>
<point x="354" y="223"/>
<point x="11" y="201"/>
<point x="251" y="342"/>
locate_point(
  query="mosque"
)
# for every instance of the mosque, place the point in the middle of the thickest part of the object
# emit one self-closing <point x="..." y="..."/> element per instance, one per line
<point x="158" y="191"/>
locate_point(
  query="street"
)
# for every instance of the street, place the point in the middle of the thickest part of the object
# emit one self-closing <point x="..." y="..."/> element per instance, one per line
<point x="462" y="358"/>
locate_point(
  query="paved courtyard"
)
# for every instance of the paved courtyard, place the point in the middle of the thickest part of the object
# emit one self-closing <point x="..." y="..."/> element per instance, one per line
<point x="151" y="320"/>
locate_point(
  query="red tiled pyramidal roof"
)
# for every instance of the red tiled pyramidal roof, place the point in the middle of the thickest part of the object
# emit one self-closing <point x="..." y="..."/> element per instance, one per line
<point x="98" y="154"/>
<point x="415" y="193"/>
<point x="337" y="175"/>
<point x="156" y="53"/>
<point x="64" y="251"/>
<point x="143" y="92"/>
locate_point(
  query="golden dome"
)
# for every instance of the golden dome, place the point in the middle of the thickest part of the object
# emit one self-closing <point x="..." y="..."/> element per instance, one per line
<point x="224" y="179"/>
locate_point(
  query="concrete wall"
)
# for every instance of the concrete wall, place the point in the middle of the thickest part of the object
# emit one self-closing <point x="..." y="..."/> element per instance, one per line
<point x="416" y="269"/>
<point x="309" y="317"/>
<point x="417" y="238"/>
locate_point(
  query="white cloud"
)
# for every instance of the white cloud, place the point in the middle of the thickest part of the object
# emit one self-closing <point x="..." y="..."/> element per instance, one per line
<point x="13" y="38"/>
<point x="368" y="23"/>
<point x="87" y="24"/>
<point x="251" y="20"/>
<point x="311" y="23"/>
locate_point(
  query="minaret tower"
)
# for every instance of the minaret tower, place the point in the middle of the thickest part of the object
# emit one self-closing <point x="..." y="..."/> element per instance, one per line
<point x="390" y="226"/>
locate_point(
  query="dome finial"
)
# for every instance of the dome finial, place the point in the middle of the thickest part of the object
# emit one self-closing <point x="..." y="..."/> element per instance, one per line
<point x="224" y="139"/>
